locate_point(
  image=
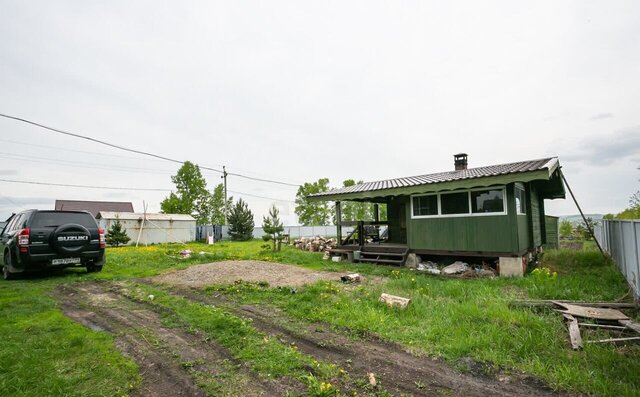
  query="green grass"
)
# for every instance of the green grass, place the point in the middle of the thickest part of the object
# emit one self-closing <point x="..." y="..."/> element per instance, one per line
<point x="449" y="318"/>
<point x="456" y="318"/>
<point x="44" y="353"/>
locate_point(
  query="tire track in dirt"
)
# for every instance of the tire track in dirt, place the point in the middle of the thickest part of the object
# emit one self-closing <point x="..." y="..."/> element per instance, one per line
<point x="172" y="362"/>
<point x="397" y="371"/>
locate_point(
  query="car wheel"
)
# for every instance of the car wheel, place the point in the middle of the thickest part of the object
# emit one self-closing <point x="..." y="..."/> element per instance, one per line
<point x="91" y="268"/>
<point x="6" y="273"/>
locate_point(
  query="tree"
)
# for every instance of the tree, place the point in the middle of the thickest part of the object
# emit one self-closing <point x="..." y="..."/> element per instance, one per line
<point x="632" y="212"/>
<point x="191" y="197"/>
<point x="566" y="228"/>
<point x="354" y="210"/>
<point x="273" y="228"/>
<point x="583" y="229"/>
<point x="313" y="213"/>
<point x="218" y="206"/>
<point x="116" y="235"/>
<point x="240" y="222"/>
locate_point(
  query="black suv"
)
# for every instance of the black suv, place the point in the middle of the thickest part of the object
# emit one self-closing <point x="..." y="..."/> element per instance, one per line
<point x="36" y="240"/>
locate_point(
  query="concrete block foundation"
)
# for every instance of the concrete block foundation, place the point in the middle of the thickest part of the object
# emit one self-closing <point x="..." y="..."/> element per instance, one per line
<point x="512" y="266"/>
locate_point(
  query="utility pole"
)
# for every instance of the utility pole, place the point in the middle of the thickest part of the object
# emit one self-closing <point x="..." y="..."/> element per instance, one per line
<point x="226" y="210"/>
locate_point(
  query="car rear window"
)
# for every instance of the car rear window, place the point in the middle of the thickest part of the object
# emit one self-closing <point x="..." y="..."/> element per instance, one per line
<point x="55" y="219"/>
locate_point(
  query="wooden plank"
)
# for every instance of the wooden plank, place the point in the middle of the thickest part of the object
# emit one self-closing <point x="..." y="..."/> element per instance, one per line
<point x="631" y="325"/>
<point x="574" y="332"/>
<point x="591" y="312"/>
<point x="549" y="303"/>
<point x="616" y="340"/>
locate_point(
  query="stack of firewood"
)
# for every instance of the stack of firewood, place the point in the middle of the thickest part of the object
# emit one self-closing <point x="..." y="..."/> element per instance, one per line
<point x="315" y="244"/>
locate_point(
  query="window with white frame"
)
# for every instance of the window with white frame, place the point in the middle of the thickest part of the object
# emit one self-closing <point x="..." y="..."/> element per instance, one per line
<point x="484" y="201"/>
<point x="425" y="205"/>
<point x="473" y="202"/>
<point x="520" y="199"/>
<point x="454" y="203"/>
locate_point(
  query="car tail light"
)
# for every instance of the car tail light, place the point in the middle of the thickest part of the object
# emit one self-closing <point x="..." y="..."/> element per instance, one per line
<point x="23" y="239"/>
<point x="103" y="241"/>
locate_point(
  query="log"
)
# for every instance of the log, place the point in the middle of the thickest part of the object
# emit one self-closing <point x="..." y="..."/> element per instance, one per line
<point x="392" y="300"/>
<point x="549" y="303"/>
<point x="574" y="332"/>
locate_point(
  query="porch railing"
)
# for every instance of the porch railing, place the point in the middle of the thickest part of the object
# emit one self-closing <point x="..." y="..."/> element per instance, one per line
<point x="362" y="230"/>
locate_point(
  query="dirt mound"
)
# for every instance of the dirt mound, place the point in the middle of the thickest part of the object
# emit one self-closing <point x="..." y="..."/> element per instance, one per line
<point x="227" y="272"/>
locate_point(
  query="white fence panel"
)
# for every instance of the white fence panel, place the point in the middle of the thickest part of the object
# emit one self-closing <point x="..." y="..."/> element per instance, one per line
<point x="621" y="239"/>
<point x="293" y="231"/>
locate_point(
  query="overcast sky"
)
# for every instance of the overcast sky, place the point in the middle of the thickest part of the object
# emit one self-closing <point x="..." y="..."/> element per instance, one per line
<point x="296" y="91"/>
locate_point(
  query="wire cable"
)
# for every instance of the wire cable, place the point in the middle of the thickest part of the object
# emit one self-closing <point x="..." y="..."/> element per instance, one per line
<point x="12" y="202"/>
<point x="137" y="151"/>
<point x="84" y="186"/>
<point x="126" y="188"/>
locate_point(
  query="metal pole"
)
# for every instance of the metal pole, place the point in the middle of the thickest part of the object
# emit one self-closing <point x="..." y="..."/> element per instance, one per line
<point x="226" y="209"/>
<point x="583" y="217"/>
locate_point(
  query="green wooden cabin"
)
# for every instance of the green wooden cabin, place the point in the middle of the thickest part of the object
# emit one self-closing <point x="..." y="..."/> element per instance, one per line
<point x="492" y="211"/>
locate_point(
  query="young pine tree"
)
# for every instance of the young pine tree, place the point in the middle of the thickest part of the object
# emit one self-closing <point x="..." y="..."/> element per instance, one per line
<point x="273" y="228"/>
<point x="116" y="235"/>
<point x="240" y="222"/>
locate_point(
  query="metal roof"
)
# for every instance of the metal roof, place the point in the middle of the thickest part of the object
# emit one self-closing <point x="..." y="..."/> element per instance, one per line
<point x="472" y="173"/>
<point x="134" y="216"/>
<point x="94" y="207"/>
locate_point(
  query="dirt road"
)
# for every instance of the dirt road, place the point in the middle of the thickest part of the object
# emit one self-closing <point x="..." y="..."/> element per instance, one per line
<point x="178" y="363"/>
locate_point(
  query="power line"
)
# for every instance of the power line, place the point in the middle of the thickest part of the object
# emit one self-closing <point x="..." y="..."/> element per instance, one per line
<point x="124" y="188"/>
<point x="12" y="202"/>
<point x="262" y="180"/>
<point x="138" y="151"/>
<point x="97" y="140"/>
<point x="71" y="150"/>
<point x="262" y="197"/>
<point x="84" y="186"/>
<point x="66" y="163"/>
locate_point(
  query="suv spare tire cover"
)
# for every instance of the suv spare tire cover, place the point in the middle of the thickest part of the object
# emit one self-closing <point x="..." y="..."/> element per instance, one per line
<point x="70" y="238"/>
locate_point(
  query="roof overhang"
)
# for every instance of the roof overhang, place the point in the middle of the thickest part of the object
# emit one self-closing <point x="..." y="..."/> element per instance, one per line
<point x="548" y="176"/>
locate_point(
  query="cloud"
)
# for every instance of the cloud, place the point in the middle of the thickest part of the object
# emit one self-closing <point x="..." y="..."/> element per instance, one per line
<point x="601" y="116"/>
<point x="9" y="172"/>
<point x="607" y="149"/>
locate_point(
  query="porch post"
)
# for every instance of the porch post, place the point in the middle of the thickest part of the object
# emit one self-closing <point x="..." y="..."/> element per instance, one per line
<point x="338" y="223"/>
<point x="376" y="212"/>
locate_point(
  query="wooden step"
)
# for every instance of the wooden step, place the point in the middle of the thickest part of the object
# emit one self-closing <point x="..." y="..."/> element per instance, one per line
<point x="363" y="253"/>
<point x="384" y="249"/>
<point x="391" y="255"/>
<point x="375" y="260"/>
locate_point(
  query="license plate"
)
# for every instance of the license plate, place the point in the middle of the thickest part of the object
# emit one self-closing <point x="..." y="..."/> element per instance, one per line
<point x="65" y="261"/>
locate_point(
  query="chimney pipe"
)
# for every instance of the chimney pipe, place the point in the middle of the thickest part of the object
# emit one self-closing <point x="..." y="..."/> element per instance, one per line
<point x="460" y="161"/>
